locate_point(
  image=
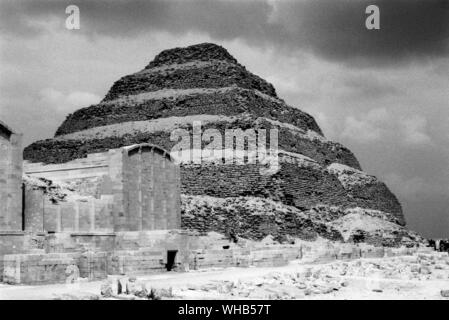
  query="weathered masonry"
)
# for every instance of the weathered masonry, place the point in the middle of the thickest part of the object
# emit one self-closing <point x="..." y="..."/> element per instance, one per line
<point x="151" y="190"/>
<point x="133" y="188"/>
<point x="10" y="179"/>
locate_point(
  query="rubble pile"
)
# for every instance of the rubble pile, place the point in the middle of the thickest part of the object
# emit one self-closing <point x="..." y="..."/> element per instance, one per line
<point x="373" y="275"/>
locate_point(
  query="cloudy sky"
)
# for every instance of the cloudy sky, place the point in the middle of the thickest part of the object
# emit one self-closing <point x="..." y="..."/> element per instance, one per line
<point x="382" y="93"/>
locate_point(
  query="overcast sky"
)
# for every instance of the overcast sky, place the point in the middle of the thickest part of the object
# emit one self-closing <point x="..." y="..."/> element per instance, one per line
<point x="382" y="93"/>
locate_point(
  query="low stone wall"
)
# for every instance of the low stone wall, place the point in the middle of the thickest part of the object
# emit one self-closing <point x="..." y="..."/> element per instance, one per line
<point x="18" y="242"/>
<point x="37" y="268"/>
<point x="192" y="252"/>
<point x="139" y="262"/>
<point x="94" y="256"/>
<point x="94" y="265"/>
<point x="244" y="257"/>
<point x="46" y="268"/>
<point x="328" y="252"/>
<point x="211" y="259"/>
<point x="147" y="261"/>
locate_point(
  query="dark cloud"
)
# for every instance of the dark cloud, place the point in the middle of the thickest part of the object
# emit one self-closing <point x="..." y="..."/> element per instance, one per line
<point x="335" y="30"/>
<point x="368" y="86"/>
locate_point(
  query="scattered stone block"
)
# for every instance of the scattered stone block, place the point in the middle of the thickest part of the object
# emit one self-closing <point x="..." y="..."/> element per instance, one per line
<point x="444" y="293"/>
<point x="106" y="289"/>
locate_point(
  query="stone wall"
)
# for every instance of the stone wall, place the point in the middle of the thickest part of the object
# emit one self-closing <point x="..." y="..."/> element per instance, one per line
<point x="47" y="268"/>
<point x="94" y="265"/>
<point x="151" y="190"/>
<point x="140" y="262"/>
<point x="18" y="242"/>
<point x="89" y="214"/>
<point x="37" y="268"/>
<point x="10" y="179"/>
<point x="240" y="257"/>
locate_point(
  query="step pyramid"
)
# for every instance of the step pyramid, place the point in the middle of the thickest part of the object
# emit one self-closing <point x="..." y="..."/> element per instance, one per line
<point x="316" y="183"/>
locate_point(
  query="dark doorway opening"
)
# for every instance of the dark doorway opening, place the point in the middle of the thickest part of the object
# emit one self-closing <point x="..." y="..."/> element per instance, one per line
<point x="171" y="259"/>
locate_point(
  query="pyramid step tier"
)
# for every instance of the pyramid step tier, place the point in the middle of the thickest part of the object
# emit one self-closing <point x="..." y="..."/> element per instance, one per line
<point x="293" y="183"/>
<point x="169" y="103"/>
<point x="199" y="75"/>
<point x="71" y="146"/>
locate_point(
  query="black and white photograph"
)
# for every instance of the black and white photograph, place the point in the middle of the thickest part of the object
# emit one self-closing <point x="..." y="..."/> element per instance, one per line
<point x="224" y="150"/>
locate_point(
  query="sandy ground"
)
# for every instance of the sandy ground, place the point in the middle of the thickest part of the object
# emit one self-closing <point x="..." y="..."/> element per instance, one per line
<point x="415" y="277"/>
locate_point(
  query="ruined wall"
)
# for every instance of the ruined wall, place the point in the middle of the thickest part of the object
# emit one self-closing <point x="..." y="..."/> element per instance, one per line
<point x="87" y="176"/>
<point x="10" y="179"/>
<point x="133" y="188"/>
<point x="85" y="215"/>
<point x="88" y="201"/>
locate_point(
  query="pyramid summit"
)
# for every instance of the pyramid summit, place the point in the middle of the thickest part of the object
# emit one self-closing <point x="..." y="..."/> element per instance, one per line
<point x="204" y="65"/>
<point x="198" y="52"/>
<point x="319" y="188"/>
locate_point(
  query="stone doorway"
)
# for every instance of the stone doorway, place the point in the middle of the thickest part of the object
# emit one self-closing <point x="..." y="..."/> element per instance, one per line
<point x="171" y="260"/>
